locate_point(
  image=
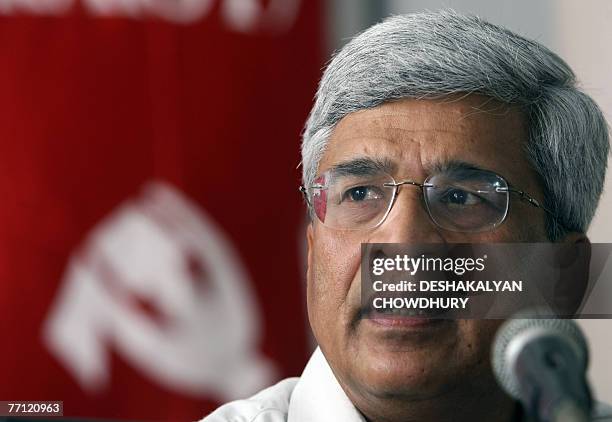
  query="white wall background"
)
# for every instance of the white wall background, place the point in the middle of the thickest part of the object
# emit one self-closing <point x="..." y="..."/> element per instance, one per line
<point x="581" y="33"/>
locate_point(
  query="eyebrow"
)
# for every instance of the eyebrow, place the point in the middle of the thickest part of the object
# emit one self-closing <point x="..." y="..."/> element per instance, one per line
<point x="371" y="166"/>
<point x="363" y="166"/>
<point x="455" y="166"/>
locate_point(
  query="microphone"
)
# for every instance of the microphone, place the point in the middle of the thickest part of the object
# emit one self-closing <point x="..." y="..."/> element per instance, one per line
<point x="542" y="363"/>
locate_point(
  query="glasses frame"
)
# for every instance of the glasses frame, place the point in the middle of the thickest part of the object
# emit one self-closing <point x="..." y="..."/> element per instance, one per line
<point x="524" y="196"/>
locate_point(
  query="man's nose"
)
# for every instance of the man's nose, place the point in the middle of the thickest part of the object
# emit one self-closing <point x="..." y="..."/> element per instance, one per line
<point x="408" y="220"/>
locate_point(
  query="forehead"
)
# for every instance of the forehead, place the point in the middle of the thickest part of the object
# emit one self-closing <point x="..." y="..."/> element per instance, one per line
<point x="420" y="135"/>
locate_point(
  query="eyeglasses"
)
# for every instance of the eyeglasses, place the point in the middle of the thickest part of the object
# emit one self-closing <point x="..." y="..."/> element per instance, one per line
<point x="460" y="200"/>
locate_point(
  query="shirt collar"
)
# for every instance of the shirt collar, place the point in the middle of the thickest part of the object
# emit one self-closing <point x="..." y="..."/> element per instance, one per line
<point x="318" y="396"/>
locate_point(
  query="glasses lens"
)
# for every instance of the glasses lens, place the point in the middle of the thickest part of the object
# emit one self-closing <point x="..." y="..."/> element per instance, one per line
<point x="467" y="200"/>
<point x="353" y="202"/>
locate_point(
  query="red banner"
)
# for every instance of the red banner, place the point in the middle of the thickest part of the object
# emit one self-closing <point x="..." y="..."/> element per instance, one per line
<point x="151" y="225"/>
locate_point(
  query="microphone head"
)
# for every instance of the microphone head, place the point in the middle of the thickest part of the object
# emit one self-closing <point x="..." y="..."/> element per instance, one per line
<point x="515" y="334"/>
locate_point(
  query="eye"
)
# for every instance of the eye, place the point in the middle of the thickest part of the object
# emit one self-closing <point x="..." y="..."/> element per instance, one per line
<point x="361" y="193"/>
<point x="460" y="197"/>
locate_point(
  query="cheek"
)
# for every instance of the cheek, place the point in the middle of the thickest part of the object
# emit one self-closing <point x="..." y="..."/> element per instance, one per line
<point x="526" y="223"/>
<point x="334" y="268"/>
<point x="476" y="340"/>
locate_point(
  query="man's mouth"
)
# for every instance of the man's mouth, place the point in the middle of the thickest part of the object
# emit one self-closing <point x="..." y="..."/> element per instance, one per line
<point x="408" y="313"/>
<point x="406" y="317"/>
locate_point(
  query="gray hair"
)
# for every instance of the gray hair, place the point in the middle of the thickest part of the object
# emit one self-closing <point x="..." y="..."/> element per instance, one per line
<point x="437" y="54"/>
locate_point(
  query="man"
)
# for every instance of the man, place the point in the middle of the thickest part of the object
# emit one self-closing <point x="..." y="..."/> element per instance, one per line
<point x="418" y="98"/>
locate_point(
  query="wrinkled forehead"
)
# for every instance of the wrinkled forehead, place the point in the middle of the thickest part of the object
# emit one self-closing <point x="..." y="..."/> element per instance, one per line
<point x="416" y="137"/>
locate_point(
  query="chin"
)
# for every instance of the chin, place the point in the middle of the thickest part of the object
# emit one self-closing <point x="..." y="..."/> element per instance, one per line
<point x="410" y="374"/>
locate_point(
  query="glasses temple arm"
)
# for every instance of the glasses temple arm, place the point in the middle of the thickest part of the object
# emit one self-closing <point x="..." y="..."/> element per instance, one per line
<point x="304" y="192"/>
<point x="534" y="202"/>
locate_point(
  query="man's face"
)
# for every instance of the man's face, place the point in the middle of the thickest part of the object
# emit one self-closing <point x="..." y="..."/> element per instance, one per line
<point x="372" y="360"/>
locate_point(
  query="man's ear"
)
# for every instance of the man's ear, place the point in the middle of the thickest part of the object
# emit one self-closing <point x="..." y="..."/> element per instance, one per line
<point x="574" y="261"/>
<point x="575" y="237"/>
<point x="309" y="239"/>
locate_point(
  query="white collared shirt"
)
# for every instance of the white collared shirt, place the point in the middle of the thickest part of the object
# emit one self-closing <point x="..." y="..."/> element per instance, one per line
<point x="314" y="397"/>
